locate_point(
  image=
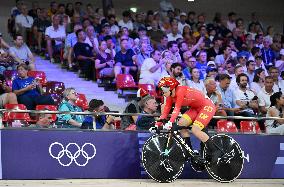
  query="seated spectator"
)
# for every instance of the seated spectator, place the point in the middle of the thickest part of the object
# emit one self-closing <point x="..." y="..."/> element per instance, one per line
<point x="215" y="50"/>
<point x="29" y="90"/>
<point x="152" y="69"/>
<point x="268" y="56"/>
<point x="202" y="63"/>
<point x="275" y="110"/>
<point x="258" y="80"/>
<point x="174" y="35"/>
<point x="242" y="59"/>
<point x="222" y="59"/>
<point x="84" y="54"/>
<point x="264" y="95"/>
<point x="211" y="72"/>
<point x="92" y="39"/>
<point x="6" y="60"/>
<point x="163" y="44"/>
<point x="126" y="21"/>
<point x="124" y="60"/>
<point x="176" y="72"/>
<point x="104" y="62"/>
<point x="230" y="68"/>
<point x="21" y="52"/>
<point x="250" y="70"/>
<point x="110" y="46"/>
<point x="39" y="26"/>
<point x="6" y="94"/>
<point x="280" y="63"/>
<point x="55" y="36"/>
<point x="245" y="99"/>
<point x="44" y="121"/>
<point x="259" y="64"/>
<point x="68" y="104"/>
<point x="173" y="48"/>
<point x="142" y="55"/>
<point x="195" y="81"/>
<point x="101" y="121"/>
<point x="278" y="83"/>
<point x="24" y="22"/>
<point x="227" y="94"/>
<point x="133" y="107"/>
<point x="190" y="62"/>
<point x="149" y="106"/>
<point x="71" y="40"/>
<point x="215" y="96"/>
<point x="238" y="70"/>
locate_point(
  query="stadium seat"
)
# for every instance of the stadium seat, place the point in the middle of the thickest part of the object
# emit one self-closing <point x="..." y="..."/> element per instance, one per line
<point x="125" y="81"/>
<point x="150" y="88"/>
<point x="250" y="126"/>
<point x="117" y="124"/>
<point x="82" y="101"/>
<point x="10" y="117"/>
<point x="226" y="126"/>
<point x="38" y="74"/>
<point x="57" y="98"/>
<point x="10" y="74"/>
<point x="48" y="107"/>
<point x="54" y="87"/>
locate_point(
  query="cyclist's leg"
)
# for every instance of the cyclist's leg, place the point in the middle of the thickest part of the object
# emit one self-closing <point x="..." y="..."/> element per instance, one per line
<point x="186" y="120"/>
<point x="204" y="116"/>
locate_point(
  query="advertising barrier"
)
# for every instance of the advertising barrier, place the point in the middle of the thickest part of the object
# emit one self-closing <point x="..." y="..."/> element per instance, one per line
<point x="57" y="154"/>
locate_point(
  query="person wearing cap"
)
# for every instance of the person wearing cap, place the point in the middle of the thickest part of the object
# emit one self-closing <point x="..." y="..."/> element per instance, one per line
<point x="280" y="63"/>
<point x="226" y="55"/>
<point x="182" y="21"/>
<point x="211" y="72"/>
<point x="133" y="107"/>
<point x="98" y="121"/>
<point x="242" y="59"/>
<point x="149" y="105"/>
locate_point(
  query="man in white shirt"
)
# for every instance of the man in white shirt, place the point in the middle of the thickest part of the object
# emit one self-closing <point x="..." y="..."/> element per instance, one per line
<point x="245" y="99"/>
<point x="231" y="23"/>
<point x="126" y="21"/>
<point x="182" y="23"/>
<point x="278" y="84"/>
<point x="174" y="35"/>
<point x="114" y="29"/>
<point x="264" y="95"/>
<point x="91" y="38"/>
<point x="152" y="69"/>
<point x="24" y="22"/>
<point x="55" y="35"/>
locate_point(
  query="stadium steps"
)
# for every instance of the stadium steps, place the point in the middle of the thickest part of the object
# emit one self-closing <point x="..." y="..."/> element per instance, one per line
<point x="89" y="88"/>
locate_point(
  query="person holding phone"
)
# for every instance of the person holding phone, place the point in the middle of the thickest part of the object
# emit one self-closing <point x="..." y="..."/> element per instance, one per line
<point x="29" y="90"/>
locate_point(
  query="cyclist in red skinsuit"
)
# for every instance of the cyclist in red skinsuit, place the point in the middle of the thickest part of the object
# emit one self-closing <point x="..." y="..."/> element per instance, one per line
<point x="199" y="115"/>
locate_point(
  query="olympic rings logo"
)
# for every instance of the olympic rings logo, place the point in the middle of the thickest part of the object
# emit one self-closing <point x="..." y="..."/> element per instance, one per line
<point x="72" y="157"/>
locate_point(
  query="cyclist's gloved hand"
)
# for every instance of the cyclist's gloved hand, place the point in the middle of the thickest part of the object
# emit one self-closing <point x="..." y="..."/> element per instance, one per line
<point x="154" y="129"/>
<point x="168" y="126"/>
<point x="158" y="124"/>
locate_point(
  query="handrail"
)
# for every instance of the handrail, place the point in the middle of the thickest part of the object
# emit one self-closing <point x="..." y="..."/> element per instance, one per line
<point x="258" y="118"/>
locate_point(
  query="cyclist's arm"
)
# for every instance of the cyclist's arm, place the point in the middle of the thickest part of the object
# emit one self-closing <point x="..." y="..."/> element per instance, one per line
<point x="180" y="99"/>
<point x="167" y="108"/>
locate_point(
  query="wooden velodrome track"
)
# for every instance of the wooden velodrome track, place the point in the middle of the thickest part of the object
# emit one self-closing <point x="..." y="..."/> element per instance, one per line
<point x="141" y="183"/>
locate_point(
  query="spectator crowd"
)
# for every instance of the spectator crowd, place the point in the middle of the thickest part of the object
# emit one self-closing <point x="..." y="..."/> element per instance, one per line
<point x="237" y="63"/>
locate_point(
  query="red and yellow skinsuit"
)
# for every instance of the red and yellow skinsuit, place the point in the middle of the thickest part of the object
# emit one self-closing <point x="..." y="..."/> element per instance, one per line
<point x="201" y="109"/>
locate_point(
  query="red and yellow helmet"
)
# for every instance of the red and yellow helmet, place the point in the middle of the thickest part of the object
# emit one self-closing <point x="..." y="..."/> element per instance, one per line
<point x="168" y="82"/>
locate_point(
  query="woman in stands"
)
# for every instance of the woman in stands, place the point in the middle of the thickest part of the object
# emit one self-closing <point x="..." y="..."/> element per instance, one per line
<point x="195" y="81"/>
<point x="258" y="80"/>
<point x="68" y="104"/>
<point x="104" y="62"/>
<point x="275" y="110"/>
